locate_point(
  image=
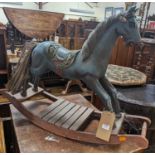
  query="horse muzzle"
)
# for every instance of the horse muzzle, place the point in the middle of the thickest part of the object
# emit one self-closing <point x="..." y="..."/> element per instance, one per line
<point x="132" y="43"/>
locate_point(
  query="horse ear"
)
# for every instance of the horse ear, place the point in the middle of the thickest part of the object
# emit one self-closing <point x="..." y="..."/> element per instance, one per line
<point x="131" y="11"/>
<point x="137" y="9"/>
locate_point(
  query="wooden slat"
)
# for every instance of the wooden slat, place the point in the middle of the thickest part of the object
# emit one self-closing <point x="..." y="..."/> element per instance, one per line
<point x="61" y="113"/>
<point x="81" y="119"/>
<point x="74" y="117"/>
<point x="50" y="96"/>
<point x="67" y="116"/>
<point x="55" y="111"/>
<point x="50" y="108"/>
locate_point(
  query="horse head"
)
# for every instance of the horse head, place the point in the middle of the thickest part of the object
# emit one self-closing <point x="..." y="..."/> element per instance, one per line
<point x="127" y="26"/>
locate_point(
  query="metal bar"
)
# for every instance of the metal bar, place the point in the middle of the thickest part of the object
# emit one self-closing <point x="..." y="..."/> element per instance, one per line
<point x="82" y="11"/>
<point x="88" y="4"/>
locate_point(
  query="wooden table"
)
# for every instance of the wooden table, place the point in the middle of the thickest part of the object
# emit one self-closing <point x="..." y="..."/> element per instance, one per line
<point x="140" y="95"/>
<point x="2" y="140"/>
<point x="33" y="139"/>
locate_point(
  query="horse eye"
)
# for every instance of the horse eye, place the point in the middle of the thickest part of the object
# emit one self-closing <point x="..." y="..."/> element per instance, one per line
<point x="132" y="24"/>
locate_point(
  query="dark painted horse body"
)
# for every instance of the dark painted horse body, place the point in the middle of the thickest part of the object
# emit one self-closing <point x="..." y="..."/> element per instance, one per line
<point x="90" y="63"/>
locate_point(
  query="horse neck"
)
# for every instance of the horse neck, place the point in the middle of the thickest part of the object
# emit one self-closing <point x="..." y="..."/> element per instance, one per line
<point x="102" y="51"/>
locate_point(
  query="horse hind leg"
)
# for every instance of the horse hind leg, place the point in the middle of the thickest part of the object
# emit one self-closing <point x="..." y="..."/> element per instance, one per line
<point x="24" y="89"/>
<point x="36" y="83"/>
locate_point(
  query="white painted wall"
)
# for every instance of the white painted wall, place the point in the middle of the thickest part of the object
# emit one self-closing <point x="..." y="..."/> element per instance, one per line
<point x="152" y="8"/>
<point x="64" y="7"/>
<point x="26" y="5"/>
<point x="101" y="10"/>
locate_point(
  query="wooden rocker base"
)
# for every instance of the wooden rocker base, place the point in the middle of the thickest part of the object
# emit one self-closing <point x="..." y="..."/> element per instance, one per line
<point x="71" y="120"/>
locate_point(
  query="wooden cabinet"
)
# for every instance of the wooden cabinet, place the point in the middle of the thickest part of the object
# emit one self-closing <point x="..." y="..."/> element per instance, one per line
<point x="122" y="55"/>
<point x="140" y="58"/>
<point x="73" y="33"/>
<point x="3" y="64"/>
<point x="144" y="58"/>
<point x="3" y="56"/>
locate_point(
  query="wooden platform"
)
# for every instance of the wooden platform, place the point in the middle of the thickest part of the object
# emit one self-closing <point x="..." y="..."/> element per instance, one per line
<point x="30" y="93"/>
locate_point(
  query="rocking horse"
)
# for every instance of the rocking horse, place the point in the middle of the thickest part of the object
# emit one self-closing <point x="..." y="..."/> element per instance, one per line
<point x="88" y="65"/>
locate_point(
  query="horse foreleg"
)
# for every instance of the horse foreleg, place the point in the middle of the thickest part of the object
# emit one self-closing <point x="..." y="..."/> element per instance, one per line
<point x="113" y="94"/>
<point x="95" y="86"/>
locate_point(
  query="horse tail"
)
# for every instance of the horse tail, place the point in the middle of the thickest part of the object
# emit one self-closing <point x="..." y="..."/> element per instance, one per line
<point x="22" y="72"/>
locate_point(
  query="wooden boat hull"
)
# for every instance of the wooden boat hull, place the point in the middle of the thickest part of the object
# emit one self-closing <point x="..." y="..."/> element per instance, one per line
<point x="34" y="23"/>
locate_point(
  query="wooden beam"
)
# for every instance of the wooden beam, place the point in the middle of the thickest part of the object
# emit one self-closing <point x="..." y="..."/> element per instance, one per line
<point x="40" y="4"/>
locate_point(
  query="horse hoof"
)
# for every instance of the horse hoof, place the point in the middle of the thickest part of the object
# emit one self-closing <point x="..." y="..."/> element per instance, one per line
<point x="85" y="90"/>
<point x="23" y="94"/>
<point x="119" y="115"/>
<point x="35" y="89"/>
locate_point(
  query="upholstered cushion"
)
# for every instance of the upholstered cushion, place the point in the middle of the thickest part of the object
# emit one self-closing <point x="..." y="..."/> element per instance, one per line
<point x="125" y="76"/>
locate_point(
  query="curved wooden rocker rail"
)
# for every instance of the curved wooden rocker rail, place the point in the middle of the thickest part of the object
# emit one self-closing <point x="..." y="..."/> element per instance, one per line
<point x="73" y="132"/>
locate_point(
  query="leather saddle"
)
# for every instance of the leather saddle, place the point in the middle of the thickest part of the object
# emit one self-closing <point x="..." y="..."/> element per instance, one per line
<point x="62" y="55"/>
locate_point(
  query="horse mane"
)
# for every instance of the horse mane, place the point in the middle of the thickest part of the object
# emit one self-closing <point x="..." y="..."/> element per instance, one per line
<point x="95" y="36"/>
